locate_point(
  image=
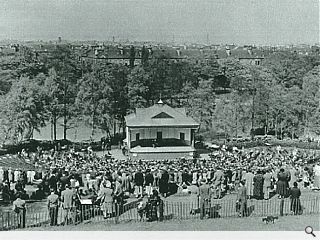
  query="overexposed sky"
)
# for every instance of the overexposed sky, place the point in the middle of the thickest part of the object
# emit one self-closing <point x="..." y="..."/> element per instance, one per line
<point x="204" y="21"/>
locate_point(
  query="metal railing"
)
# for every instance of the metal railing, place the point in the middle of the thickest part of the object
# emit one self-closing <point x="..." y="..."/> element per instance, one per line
<point x="180" y="210"/>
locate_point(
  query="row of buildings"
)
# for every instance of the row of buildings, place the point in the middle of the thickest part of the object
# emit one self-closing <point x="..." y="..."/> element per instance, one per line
<point x="115" y="53"/>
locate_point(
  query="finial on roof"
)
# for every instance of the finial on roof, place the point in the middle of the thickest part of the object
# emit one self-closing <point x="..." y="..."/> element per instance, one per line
<point x="160" y="101"/>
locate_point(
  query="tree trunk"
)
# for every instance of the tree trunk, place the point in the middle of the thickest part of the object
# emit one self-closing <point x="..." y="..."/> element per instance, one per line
<point x="276" y="127"/>
<point x="55" y="128"/>
<point x="65" y="110"/>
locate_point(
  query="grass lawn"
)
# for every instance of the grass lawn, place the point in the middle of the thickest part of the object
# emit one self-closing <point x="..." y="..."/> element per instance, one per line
<point x="287" y="223"/>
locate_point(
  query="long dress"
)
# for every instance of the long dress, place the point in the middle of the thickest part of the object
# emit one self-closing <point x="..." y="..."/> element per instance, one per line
<point x="107" y="201"/>
<point x="163" y="183"/>
<point x="282" y="184"/>
<point x="249" y="183"/>
<point x="258" y="186"/>
<point x="295" y="205"/>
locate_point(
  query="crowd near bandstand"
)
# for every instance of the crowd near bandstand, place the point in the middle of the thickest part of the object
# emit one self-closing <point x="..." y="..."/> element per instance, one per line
<point x="66" y="177"/>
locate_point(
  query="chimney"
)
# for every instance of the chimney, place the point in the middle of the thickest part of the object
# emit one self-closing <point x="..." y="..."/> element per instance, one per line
<point x="121" y="51"/>
<point x="250" y="50"/>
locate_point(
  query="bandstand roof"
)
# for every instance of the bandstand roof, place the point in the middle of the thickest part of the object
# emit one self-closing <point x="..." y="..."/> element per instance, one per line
<point x="160" y="115"/>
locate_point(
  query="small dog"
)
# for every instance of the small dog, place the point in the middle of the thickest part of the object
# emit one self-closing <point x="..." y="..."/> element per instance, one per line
<point x="195" y="211"/>
<point x="269" y="219"/>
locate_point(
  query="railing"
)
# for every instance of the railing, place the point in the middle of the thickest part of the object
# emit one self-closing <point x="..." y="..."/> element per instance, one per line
<point x="171" y="210"/>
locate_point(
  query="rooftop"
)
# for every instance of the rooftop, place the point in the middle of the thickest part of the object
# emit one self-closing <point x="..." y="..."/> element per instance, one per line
<point x="160" y="115"/>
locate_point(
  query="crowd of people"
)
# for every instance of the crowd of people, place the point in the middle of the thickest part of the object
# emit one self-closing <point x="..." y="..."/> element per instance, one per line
<point x="68" y="176"/>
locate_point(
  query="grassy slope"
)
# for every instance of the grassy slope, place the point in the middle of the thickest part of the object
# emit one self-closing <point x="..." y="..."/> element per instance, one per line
<point x="287" y="223"/>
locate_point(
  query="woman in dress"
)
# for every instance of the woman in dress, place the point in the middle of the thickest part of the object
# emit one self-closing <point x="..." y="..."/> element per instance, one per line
<point x="258" y="185"/>
<point x="164" y="183"/>
<point x="282" y="183"/>
<point x="106" y="196"/>
<point x="249" y="183"/>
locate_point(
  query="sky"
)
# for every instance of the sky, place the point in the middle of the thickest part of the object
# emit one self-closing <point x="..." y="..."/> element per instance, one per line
<point x="198" y="21"/>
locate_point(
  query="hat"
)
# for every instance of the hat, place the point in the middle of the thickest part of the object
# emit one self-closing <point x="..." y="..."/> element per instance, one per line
<point x="203" y="181"/>
<point x="108" y="184"/>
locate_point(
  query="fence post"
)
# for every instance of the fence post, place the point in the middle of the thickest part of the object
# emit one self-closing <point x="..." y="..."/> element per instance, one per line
<point x="117" y="213"/>
<point x="2" y="222"/>
<point x="281" y="206"/>
<point x="8" y="219"/>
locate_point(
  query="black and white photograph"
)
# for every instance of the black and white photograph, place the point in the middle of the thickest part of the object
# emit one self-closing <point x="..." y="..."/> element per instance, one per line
<point x="168" y="115"/>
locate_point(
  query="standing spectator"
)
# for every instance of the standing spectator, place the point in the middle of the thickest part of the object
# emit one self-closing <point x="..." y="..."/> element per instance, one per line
<point x="249" y="183"/>
<point x="138" y="180"/>
<point x="204" y="198"/>
<point x="68" y="204"/>
<point x="305" y="177"/>
<point x="295" y="194"/>
<point x="218" y="179"/>
<point x="267" y="184"/>
<point x="242" y="199"/>
<point x="282" y="184"/>
<point x="316" y="183"/>
<point x="19" y="207"/>
<point x="164" y="183"/>
<point x="53" y="205"/>
<point x="258" y="185"/>
<point x="106" y="196"/>
<point x="149" y="182"/>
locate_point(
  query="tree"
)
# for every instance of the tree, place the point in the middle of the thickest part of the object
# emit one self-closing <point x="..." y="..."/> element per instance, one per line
<point x="68" y="70"/>
<point x="23" y="109"/>
<point x="201" y="103"/>
<point x="93" y="100"/>
<point x="289" y="68"/>
<point x="311" y="101"/>
<point x="132" y="56"/>
<point x="54" y="97"/>
<point x="138" y="88"/>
